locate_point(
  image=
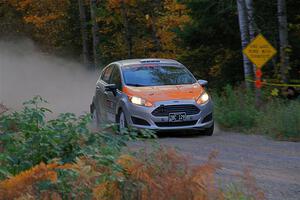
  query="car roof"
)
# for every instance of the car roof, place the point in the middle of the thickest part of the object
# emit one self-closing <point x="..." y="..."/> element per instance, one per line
<point x="135" y="62"/>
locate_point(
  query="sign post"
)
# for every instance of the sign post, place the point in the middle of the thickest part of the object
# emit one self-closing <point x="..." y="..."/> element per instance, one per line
<point x="259" y="52"/>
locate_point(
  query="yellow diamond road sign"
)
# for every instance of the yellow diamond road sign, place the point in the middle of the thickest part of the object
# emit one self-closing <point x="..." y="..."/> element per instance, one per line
<point x="259" y="51"/>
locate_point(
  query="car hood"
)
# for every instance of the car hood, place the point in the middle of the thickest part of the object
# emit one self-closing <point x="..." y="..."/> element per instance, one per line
<point x="165" y="93"/>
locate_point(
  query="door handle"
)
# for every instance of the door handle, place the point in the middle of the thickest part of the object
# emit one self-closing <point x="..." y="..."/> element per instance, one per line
<point x="98" y="87"/>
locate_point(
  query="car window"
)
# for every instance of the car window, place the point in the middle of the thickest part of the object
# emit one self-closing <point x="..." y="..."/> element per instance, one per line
<point x="106" y="74"/>
<point x="116" y="78"/>
<point x="102" y="74"/>
<point x="156" y="75"/>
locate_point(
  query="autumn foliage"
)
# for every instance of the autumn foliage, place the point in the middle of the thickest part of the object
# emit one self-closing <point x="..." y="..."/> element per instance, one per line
<point x="41" y="12"/>
<point x="23" y="184"/>
<point x="159" y="175"/>
<point x="98" y="165"/>
<point x="163" y="174"/>
<point x="46" y="19"/>
<point x="140" y="28"/>
<point x="204" y="35"/>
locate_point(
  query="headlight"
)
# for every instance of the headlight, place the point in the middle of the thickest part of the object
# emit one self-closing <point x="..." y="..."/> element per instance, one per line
<point x="139" y="101"/>
<point x="204" y="97"/>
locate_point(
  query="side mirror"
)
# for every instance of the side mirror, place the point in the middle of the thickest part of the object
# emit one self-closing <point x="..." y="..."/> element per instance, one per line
<point x="111" y="88"/>
<point x="203" y="82"/>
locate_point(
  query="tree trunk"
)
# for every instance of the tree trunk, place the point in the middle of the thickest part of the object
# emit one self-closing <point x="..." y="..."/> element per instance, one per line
<point x="252" y="33"/>
<point x="127" y="28"/>
<point x="84" y="35"/>
<point x="95" y="33"/>
<point x="283" y="38"/>
<point x="154" y="34"/>
<point x="244" y="29"/>
<point x="251" y="21"/>
<point x="154" y="10"/>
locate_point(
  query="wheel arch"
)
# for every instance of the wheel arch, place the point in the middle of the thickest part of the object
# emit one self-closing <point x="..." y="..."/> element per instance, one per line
<point x="121" y="106"/>
<point x="92" y="105"/>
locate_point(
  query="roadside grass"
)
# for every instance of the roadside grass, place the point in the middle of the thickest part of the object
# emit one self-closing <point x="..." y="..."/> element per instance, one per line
<point x="235" y="110"/>
<point x="280" y="119"/>
<point x="245" y="189"/>
<point x="62" y="159"/>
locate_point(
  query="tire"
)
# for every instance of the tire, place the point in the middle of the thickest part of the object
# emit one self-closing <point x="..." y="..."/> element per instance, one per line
<point x="209" y="131"/>
<point x="95" y="118"/>
<point x="92" y="108"/>
<point x="122" y="123"/>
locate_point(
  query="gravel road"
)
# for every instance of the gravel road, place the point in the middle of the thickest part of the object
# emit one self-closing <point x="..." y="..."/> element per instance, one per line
<point x="275" y="165"/>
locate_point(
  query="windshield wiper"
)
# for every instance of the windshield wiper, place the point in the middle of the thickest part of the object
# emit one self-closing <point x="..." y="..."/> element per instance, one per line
<point x="136" y="85"/>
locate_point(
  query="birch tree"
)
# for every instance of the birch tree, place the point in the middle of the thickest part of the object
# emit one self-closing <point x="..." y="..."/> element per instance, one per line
<point x="252" y="32"/>
<point x="251" y="23"/>
<point x="245" y="38"/>
<point x="84" y="34"/>
<point x="251" y="20"/>
<point x="283" y="38"/>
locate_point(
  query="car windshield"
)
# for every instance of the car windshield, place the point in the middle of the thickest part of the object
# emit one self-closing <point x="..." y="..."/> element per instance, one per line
<point x="156" y="76"/>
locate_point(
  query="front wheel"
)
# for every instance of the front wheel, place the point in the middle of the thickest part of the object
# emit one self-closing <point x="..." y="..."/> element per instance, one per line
<point x="209" y="131"/>
<point x="122" y="123"/>
<point x="95" y="118"/>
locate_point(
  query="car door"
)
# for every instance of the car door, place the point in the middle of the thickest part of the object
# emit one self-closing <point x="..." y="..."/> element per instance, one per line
<point x="112" y="99"/>
<point x="101" y="93"/>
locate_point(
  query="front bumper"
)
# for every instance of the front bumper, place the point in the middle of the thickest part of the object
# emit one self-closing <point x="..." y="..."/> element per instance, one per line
<point x="199" y="121"/>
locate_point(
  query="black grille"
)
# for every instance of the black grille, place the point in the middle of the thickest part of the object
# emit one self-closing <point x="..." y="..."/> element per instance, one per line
<point x="208" y="118"/>
<point x="172" y="124"/>
<point x="166" y="110"/>
<point x="139" y="121"/>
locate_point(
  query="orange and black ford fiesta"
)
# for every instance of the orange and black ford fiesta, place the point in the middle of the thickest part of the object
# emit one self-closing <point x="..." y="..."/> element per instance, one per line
<point x="156" y="94"/>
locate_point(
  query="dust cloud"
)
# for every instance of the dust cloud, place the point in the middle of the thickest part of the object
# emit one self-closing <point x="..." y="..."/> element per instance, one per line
<point x="25" y="72"/>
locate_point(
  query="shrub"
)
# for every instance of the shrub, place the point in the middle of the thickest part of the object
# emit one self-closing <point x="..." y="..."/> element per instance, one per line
<point x="24" y="182"/>
<point x="29" y="139"/>
<point x="280" y="119"/>
<point x="246" y="189"/>
<point x="159" y="174"/>
<point x="3" y="109"/>
<point x="235" y="108"/>
<point x="166" y="174"/>
<point x="80" y="164"/>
